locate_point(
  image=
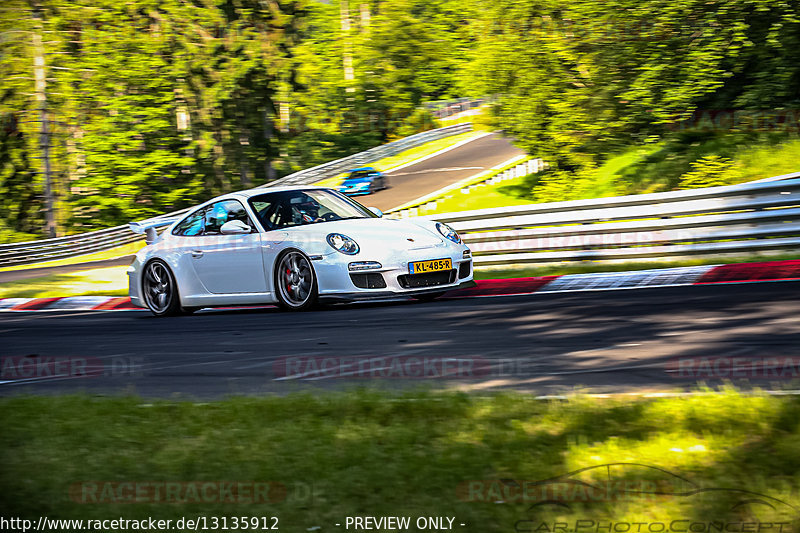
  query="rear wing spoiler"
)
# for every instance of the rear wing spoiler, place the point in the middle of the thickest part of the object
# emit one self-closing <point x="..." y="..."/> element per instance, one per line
<point x="148" y="227"/>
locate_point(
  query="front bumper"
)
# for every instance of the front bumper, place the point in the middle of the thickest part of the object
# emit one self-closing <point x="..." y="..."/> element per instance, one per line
<point x="337" y="283"/>
<point x="345" y="297"/>
<point x="134" y="283"/>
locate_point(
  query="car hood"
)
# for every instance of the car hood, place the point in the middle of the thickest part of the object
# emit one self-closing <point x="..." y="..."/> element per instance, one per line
<point x="376" y="234"/>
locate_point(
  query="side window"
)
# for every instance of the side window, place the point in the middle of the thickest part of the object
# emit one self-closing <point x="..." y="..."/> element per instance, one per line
<point x="268" y="211"/>
<point x="191" y="225"/>
<point x="221" y="212"/>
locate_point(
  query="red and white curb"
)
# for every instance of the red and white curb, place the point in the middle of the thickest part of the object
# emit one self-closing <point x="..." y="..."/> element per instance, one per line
<point x="661" y="277"/>
<point x="69" y="303"/>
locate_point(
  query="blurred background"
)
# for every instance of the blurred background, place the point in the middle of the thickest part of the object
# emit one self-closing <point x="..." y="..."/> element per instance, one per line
<point x="113" y="111"/>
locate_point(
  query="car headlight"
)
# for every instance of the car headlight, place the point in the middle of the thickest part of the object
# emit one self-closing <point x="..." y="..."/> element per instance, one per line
<point x="343" y="243"/>
<point x="448" y="233"/>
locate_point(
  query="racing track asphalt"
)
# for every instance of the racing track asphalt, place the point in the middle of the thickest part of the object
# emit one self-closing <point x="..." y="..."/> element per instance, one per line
<point x="609" y="341"/>
<point x="417" y="180"/>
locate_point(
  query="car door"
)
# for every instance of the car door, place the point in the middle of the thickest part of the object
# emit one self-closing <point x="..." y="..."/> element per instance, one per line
<point x="228" y="264"/>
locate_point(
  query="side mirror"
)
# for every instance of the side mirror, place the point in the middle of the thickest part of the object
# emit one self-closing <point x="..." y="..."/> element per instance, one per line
<point x="234" y="227"/>
<point x="376" y="211"/>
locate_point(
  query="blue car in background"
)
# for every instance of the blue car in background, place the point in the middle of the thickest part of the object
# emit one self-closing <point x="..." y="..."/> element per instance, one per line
<point x="364" y="180"/>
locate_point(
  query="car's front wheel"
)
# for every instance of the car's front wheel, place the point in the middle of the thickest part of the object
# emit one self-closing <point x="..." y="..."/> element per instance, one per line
<point x="295" y="281"/>
<point x="160" y="289"/>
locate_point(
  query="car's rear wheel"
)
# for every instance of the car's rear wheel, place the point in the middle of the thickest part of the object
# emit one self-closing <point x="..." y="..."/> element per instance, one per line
<point x="160" y="289"/>
<point x="428" y="296"/>
<point x="295" y="281"/>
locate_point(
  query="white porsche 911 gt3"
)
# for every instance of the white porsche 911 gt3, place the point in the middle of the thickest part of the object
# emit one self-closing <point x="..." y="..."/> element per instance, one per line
<point x="293" y="246"/>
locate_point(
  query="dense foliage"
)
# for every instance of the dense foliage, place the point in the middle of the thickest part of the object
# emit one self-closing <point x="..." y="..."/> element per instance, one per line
<point x="589" y="77"/>
<point x="156" y="104"/>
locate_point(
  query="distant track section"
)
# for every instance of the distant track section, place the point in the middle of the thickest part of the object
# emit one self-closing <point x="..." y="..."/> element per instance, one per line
<point x="413" y="181"/>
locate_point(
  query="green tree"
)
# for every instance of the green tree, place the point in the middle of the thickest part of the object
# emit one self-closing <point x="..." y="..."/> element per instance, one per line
<point x="21" y="180"/>
<point x="578" y="81"/>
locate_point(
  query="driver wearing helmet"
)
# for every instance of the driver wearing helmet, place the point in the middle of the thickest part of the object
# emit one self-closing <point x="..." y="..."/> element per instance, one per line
<point x="305" y="210"/>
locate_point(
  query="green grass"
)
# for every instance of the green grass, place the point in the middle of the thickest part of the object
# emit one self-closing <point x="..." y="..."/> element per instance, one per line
<point x="646" y="169"/>
<point x="658" y="167"/>
<point x="483" y="197"/>
<point x="772" y="160"/>
<point x="110" y="281"/>
<point x="403" y="454"/>
<point x="112" y="253"/>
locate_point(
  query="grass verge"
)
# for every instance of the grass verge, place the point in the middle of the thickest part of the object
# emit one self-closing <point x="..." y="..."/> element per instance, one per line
<point x="110" y="281"/>
<point x="646" y="169"/>
<point x="408" y="454"/>
<point x="484" y="196"/>
<point x="112" y="253"/>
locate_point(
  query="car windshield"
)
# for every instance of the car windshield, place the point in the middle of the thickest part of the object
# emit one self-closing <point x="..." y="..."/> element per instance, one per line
<point x="360" y="174"/>
<point x="296" y="208"/>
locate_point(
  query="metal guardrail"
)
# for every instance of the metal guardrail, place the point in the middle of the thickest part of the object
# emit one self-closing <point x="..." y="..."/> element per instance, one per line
<point x="736" y="219"/>
<point x="26" y="253"/>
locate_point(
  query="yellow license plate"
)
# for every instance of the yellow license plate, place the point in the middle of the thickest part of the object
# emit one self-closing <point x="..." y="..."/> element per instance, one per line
<point x="434" y="265"/>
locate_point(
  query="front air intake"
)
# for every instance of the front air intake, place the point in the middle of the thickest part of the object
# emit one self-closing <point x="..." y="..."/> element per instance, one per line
<point x="431" y="279"/>
<point x="371" y="280"/>
<point x="465" y="269"/>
